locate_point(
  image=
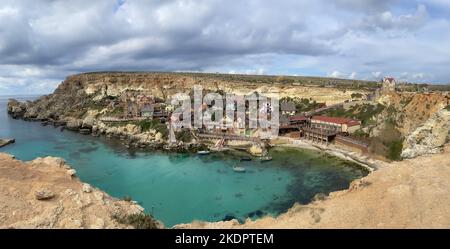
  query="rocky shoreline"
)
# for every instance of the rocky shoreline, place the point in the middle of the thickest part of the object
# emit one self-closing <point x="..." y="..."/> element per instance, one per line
<point x="130" y="135"/>
<point x="46" y="193"/>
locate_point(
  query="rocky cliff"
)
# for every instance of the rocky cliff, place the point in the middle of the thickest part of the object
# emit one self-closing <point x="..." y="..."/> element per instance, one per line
<point x="45" y="193"/>
<point x="79" y="94"/>
<point x="430" y="137"/>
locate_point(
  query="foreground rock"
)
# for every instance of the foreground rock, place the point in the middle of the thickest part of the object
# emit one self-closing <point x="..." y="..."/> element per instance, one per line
<point x="409" y="194"/>
<point x="428" y="138"/>
<point x="42" y="194"/>
<point x="4" y="142"/>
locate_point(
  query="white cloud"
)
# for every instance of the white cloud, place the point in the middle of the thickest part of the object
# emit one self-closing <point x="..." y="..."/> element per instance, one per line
<point x="345" y="39"/>
<point x="336" y="74"/>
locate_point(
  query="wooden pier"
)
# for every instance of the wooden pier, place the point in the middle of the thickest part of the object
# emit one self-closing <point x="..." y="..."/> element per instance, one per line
<point x="228" y="137"/>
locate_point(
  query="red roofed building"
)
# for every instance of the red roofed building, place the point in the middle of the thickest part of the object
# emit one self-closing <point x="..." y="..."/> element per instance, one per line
<point x="334" y="123"/>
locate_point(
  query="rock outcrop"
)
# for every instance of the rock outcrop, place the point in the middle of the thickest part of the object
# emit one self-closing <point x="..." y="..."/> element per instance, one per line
<point x="42" y="194"/>
<point x="4" y="142"/>
<point x="16" y="109"/>
<point x="79" y="94"/>
<point x="428" y="138"/>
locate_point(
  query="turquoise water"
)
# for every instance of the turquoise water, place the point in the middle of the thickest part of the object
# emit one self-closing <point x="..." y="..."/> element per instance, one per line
<point x="179" y="188"/>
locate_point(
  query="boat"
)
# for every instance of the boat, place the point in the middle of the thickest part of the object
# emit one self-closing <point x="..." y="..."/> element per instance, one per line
<point x="265" y="158"/>
<point x="245" y="159"/>
<point x="239" y="169"/>
<point x="203" y="152"/>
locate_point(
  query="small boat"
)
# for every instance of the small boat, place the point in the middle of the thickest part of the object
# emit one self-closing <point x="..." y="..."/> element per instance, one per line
<point x="265" y="158"/>
<point x="239" y="169"/>
<point x="245" y="159"/>
<point x="203" y="152"/>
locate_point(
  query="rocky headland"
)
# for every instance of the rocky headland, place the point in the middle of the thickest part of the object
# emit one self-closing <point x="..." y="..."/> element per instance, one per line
<point x="45" y="193"/>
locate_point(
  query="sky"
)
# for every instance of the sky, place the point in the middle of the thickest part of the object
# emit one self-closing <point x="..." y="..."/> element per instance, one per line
<point x="43" y="41"/>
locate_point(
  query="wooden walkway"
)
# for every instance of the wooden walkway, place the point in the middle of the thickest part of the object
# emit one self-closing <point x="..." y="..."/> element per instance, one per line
<point x="116" y="120"/>
<point x="228" y="137"/>
<point x="322" y="109"/>
<point x="349" y="141"/>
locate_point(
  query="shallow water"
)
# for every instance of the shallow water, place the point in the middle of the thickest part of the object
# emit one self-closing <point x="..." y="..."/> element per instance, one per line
<point x="179" y="188"/>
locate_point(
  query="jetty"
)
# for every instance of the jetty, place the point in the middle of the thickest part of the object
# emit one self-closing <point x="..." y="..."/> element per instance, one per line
<point x="228" y="137"/>
<point x="6" y="141"/>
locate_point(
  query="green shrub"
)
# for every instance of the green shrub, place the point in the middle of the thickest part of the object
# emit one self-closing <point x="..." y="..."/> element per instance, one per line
<point x="389" y="143"/>
<point x="364" y="112"/>
<point x="127" y="198"/>
<point x="447" y="108"/>
<point x="395" y="149"/>
<point x="118" y="110"/>
<point x="184" y="136"/>
<point x="356" y="95"/>
<point x="138" y="221"/>
<point x="154" y="124"/>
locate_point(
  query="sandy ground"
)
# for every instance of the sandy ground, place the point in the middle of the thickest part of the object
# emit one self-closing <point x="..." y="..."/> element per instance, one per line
<point x="409" y="194"/>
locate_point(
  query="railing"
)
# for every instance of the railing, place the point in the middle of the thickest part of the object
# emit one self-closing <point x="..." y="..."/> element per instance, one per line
<point x="321" y="131"/>
<point x="228" y="137"/>
<point x="112" y="119"/>
<point x="321" y="109"/>
<point x="353" y="141"/>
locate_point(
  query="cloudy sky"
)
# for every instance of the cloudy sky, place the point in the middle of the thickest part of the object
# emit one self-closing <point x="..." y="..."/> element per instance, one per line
<point x="42" y="41"/>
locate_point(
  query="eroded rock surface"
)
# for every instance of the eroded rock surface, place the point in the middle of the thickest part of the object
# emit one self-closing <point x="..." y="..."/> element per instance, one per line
<point x="428" y="138"/>
<point x="40" y="194"/>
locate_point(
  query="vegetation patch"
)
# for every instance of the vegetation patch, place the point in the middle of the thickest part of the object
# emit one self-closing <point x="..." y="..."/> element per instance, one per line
<point x="154" y="124"/>
<point x="184" y="136"/>
<point x="301" y="104"/>
<point x="364" y="112"/>
<point x="138" y="221"/>
<point x="389" y="143"/>
<point x="357" y="95"/>
<point x="118" y="110"/>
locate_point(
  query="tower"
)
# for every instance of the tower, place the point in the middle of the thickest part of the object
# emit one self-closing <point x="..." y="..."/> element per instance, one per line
<point x="388" y="84"/>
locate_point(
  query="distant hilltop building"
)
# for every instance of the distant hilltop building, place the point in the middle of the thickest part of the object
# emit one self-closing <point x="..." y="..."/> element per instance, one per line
<point x="388" y="84"/>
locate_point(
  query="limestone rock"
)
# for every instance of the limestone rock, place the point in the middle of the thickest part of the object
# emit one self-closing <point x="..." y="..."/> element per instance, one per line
<point x="428" y="138"/>
<point x="256" y="150"/>
<point x="16" y="108"/>
<point x="74" y="124"/>
<point x="44" y="194"/>
<point x="71" y="172"/>
<point x="87" y="188"/>
<point x="88" y="122"/>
